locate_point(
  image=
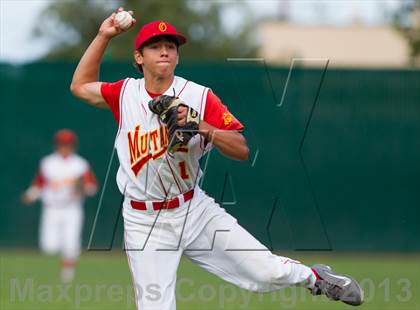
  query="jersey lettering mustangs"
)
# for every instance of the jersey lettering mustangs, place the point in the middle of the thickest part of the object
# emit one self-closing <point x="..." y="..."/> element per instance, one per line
<point x="139" y="146"/>
<point x="147" y="172"/>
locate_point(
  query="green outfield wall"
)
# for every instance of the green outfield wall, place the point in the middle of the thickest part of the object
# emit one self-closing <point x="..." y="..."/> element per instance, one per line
<point x="334" y="161"/>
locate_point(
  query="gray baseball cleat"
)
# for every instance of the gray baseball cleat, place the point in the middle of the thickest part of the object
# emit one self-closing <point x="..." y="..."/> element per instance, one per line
<point x="337" y="286"/>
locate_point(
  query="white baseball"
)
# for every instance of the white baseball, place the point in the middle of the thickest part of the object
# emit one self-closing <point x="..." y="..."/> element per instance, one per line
<point x="124" y="19"/>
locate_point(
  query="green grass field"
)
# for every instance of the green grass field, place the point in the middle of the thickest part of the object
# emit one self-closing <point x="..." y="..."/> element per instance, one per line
<point x="31" y="281"/>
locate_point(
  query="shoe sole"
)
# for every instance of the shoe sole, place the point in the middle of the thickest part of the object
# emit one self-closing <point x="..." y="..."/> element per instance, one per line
<point x="351" y="285"/>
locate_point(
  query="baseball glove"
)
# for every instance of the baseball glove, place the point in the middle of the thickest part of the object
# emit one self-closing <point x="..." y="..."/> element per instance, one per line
<point x="166" y="107"/>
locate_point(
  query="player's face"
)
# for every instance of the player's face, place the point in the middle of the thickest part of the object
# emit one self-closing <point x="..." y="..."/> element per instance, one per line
<point x="159" y="58"/>
<point x="65" y="149"/>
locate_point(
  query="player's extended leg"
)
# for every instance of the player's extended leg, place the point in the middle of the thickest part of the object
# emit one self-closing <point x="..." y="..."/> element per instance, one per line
<point x="50" y="231"/>
<point x="236" y="256"/>
<point x="153" y="259"/>
<point x="72" y="222"/>
<point x="229" y="251"/>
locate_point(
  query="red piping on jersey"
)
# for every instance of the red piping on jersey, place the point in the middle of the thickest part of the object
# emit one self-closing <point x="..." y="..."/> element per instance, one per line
<point x="182" y="88"/>
<point x="144" y="109"/>
<point x="201" y="104"/>
<point x="202" y="140"/>
<point x="173" y="175"/>
<point x="120" y="107"/>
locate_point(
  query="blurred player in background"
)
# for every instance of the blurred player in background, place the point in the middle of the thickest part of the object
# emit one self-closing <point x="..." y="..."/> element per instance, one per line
<point x="62" y="182"/>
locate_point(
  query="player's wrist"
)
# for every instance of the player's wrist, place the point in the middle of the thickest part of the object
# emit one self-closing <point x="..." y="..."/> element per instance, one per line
<point x="206" y="134"/>
<point x="103" y="36"/>
<point x="90" y="190"/>
<point x="206" y="130"/>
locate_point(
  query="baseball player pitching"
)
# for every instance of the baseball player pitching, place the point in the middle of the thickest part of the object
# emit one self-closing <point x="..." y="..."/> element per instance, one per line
<point x="63" y="180"/>
<point x="165" y="124"/>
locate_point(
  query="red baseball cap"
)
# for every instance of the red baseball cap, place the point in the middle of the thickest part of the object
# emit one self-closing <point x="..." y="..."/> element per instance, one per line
<point x="157" y="28"/>
<point x="65" y="136"/>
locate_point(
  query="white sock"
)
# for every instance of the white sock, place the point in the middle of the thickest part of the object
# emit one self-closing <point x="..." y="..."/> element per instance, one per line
<point x="67" y="271"/>
<point x="67" y="274"/>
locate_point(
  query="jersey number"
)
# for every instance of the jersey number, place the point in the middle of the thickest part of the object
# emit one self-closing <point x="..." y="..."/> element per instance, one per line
<point x="183" y="170"/>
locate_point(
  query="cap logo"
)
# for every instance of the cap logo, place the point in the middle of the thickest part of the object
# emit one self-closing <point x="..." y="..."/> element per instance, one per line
<point x="162" y="27"/>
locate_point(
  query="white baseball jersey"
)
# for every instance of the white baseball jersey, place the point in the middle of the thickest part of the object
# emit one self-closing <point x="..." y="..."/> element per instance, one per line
<point x="147" y="172"/>
<point x="59" y="176"/>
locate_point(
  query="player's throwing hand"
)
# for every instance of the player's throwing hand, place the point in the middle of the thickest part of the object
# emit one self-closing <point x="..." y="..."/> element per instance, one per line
<point x="111" y="27"/>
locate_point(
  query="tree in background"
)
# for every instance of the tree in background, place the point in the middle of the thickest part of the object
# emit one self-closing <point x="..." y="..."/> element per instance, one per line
<point x="407" y="21"/>
<point x="71" y="25"/>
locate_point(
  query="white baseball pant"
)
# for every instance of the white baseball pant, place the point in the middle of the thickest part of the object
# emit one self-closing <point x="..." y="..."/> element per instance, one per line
<point x="211" y="238"/>
<point x="60" y="231"/>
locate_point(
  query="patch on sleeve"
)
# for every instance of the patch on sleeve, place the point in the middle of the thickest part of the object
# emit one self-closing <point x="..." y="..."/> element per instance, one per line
<point x="227" y="118"/>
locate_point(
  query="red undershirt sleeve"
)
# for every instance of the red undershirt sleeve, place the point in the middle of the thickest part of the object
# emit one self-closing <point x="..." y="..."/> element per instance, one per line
<point x="111" y="94"/>
<point x="89" y="178"/>
<point x="217" y="114"/>
<point x="39" y="180"/>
